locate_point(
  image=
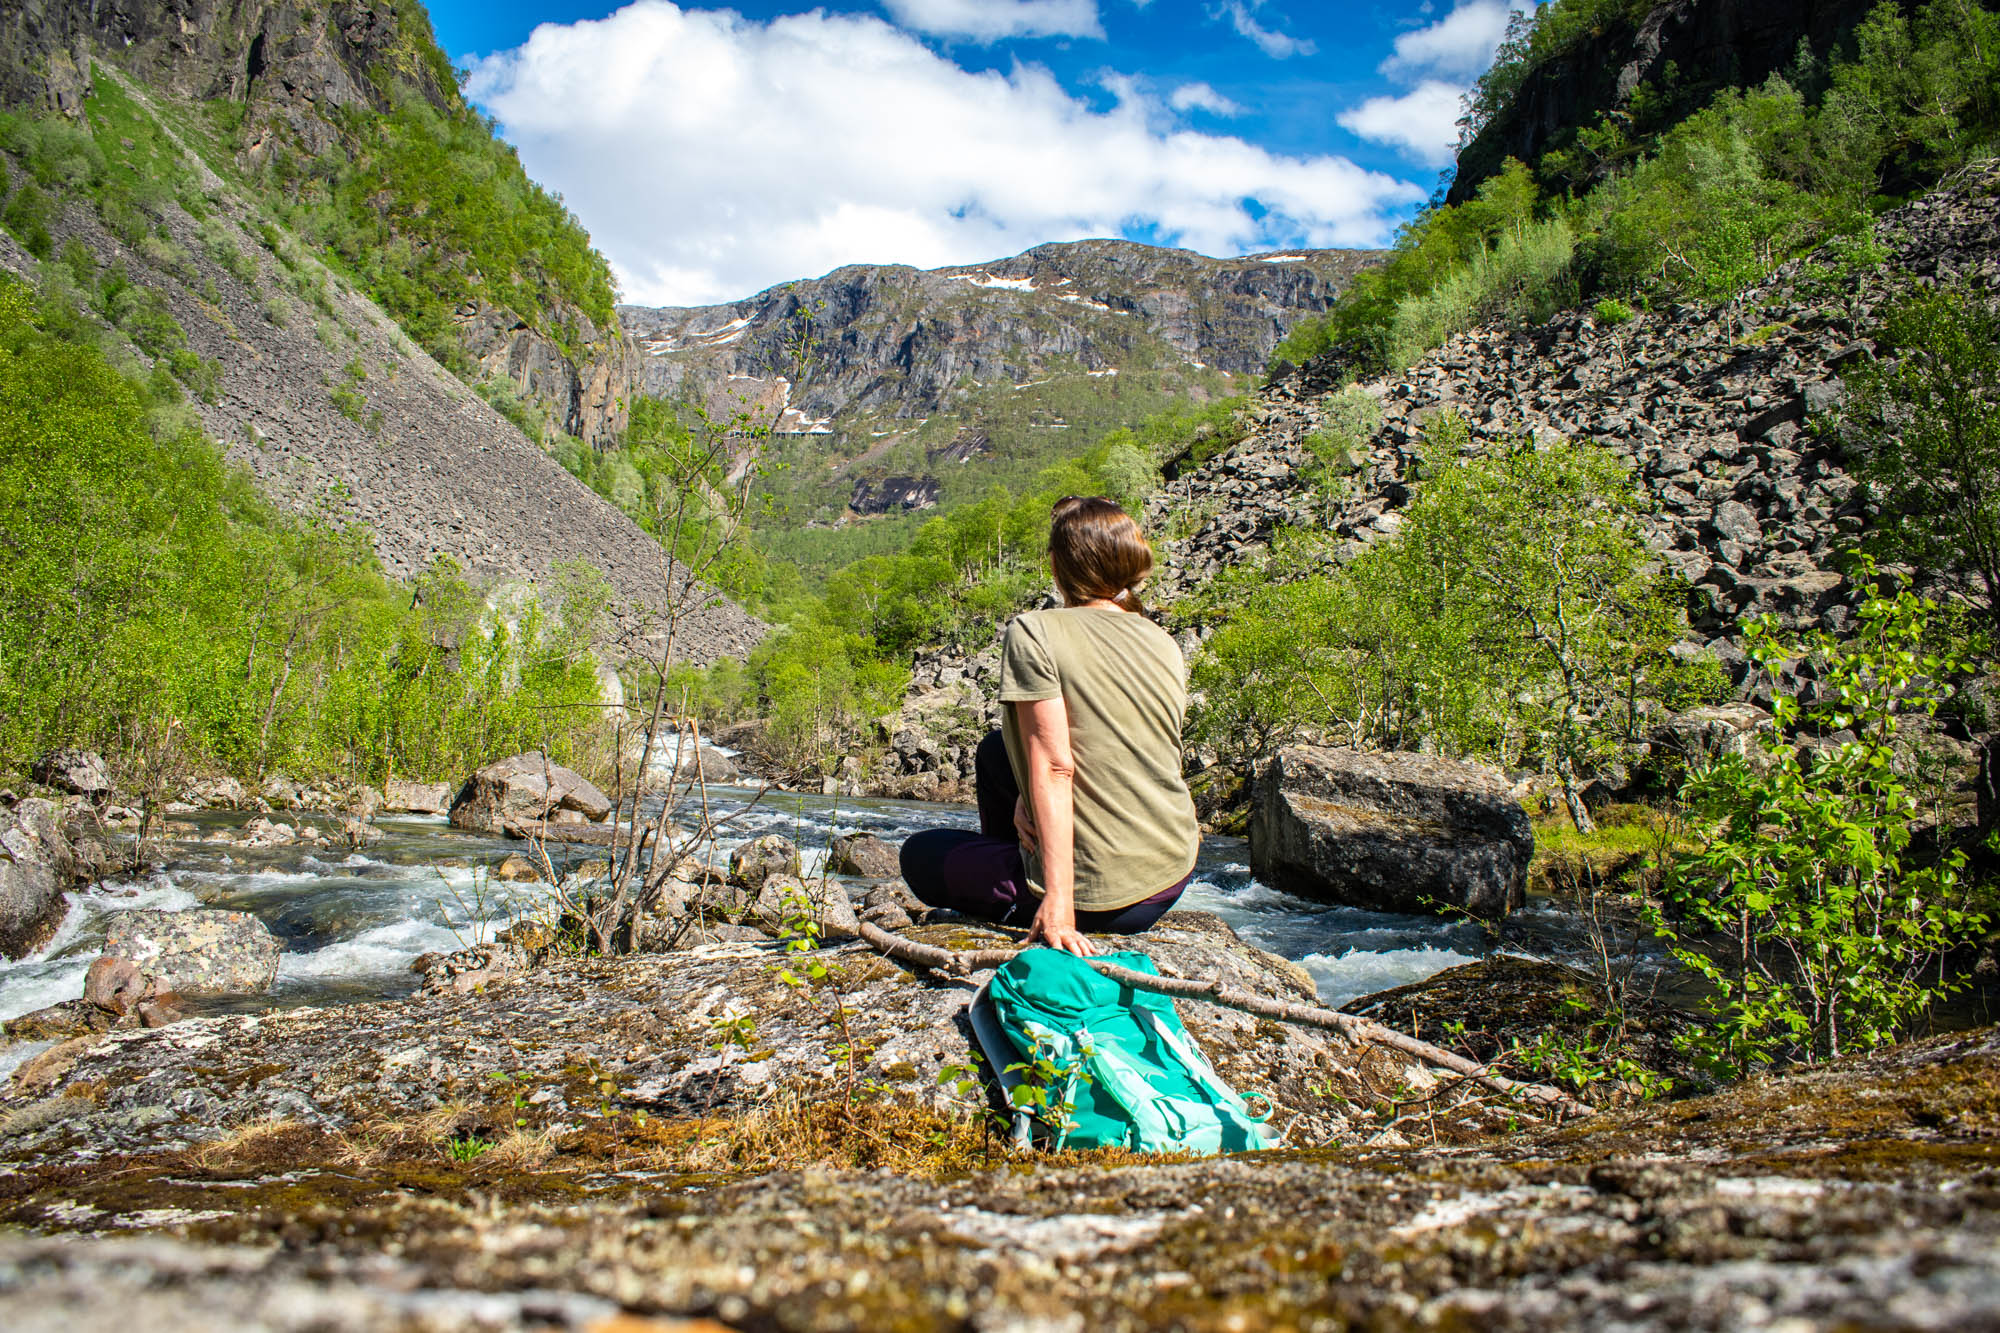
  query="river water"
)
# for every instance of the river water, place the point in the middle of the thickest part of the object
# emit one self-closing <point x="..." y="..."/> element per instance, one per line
<point x="350" y="924"/>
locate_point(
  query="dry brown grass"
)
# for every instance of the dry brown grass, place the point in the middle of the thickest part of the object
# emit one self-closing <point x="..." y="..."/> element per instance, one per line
<point x="259" y="1142"/>
<point x="793" y="1132"/>
<point x="521" y="1150"/>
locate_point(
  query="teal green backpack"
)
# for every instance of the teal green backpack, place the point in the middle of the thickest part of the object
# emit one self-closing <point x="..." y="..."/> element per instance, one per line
<point x="1105" y="1066"/>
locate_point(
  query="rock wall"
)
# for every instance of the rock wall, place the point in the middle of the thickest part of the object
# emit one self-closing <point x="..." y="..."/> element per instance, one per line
<point x="1709" y="44"/>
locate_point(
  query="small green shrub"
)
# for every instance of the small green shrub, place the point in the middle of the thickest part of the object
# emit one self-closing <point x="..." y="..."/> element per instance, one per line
<point x="27" y="216"/>
<point x="468" y="1148"/>
<point x="1611" y="312"/>
<point x="217" y="240"/>
<point x="348" y="402"/>
<point x="1829" y="935"/>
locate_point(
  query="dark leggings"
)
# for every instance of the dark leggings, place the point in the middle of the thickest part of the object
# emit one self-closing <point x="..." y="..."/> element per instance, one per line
<point x="981" y="874"/>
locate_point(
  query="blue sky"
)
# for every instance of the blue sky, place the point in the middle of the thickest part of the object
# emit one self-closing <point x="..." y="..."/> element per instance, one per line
<point x="713" y="151"/>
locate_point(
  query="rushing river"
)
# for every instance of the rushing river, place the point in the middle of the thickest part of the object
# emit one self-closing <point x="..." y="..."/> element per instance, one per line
<point x="350" y="924"/>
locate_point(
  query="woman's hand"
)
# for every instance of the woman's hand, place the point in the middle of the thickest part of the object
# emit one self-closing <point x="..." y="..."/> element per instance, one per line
<point x="1024" y="824"/>
<point x="1055" y="926"/>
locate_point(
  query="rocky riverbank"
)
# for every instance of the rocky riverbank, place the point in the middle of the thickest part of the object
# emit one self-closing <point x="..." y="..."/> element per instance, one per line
<point x="684" y="1139"/>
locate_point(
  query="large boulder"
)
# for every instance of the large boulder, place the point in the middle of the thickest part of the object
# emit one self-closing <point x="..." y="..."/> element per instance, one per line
<point x="416" y="798"/>
<point x="527" y="795"/>
<point x="707" y="764"/>
<point x="784" y="904"/>
<point x="78" y="772"/>
<point x="35" y="867"/>
<point x="200" y="952"/>
<point x="1393" y="832"/>
<point x="220" y="793"/>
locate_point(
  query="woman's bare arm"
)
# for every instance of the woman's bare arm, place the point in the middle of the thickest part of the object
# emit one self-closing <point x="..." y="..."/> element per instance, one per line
<point x="1044" y="727"/>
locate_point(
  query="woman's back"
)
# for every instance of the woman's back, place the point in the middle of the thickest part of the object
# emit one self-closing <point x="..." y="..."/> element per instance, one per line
<point x="1123" y="686"/>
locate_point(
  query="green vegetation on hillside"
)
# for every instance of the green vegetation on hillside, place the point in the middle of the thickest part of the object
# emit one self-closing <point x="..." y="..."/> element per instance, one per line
<point x="1026" y="429"/>
<point x="1924" y="424"/>
<point x="1698" y="208"/>
<point x="152" y="604"/>
<point x="428" y="210"/>
<point x="1513" y="615"/>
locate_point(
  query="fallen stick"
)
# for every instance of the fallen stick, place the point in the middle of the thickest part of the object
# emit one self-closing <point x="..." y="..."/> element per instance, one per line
<point x="1352" y="1026"/>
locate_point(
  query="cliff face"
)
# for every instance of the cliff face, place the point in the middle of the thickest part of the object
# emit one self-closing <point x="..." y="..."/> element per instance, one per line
<point x="1710" y="45"/>
<point x="898" y="388"/>
<point x="296" y="69"/>
<point x="898" y="341"/>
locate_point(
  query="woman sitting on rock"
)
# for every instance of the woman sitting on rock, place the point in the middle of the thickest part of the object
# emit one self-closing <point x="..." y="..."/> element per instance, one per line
<point x="1085" y="822"/>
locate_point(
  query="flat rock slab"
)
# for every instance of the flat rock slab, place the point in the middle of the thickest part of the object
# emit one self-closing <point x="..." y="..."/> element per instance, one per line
<point x="200" y="952"/>
<point x="1390" y="831"/>
<point x="1858" y="1196"/>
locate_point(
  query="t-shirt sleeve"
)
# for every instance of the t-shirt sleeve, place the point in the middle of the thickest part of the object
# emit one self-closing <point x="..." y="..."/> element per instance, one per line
<point x="1027" y="672"/>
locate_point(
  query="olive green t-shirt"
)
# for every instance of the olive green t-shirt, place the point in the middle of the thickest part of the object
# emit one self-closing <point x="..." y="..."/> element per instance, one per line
<point x="1121" y="679"/>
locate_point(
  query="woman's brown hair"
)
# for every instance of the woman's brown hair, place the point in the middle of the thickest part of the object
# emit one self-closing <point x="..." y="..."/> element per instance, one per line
<point x="1097" y="551"/>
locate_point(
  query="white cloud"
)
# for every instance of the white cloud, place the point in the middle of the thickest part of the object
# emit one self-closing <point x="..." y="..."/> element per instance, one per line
<point x="1202" y="97"/>
<point x="1458" y="46"/>
<point x="1422" y="122"/>
<point x="712" y="156"/>
<point x="1276" y="45"/>
<point x="993" y="20"/>
<point x="1441" y="60"/>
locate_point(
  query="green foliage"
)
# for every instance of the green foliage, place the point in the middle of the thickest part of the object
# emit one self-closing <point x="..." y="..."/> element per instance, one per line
<point x="466" y="1149"/>
<point x="1525" y="276"/>
<point x="1512" y="614"/>
<point x="429" y="210"/>
<point x="821" y="689"/>
<point x="146" y="590"/>
<point x="1309" y="337"/>
<point x="1925" y="422"/>
<point x="1340" y="447"/>
<point x="668" y="475"/>
<point x="1681" y="683"/>
<point x="1612" y="312"/>
<point x="27" y="216"/>
<point x="1801" y="906"/>
<point x="1666" y="202"/>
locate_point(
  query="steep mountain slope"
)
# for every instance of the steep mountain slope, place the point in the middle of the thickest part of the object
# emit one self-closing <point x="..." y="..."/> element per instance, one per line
<point x="348" y="123"/>
<point x="892" y="373"/>
<point x="1715" y="407"/>
<point x="135" y="219"/>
